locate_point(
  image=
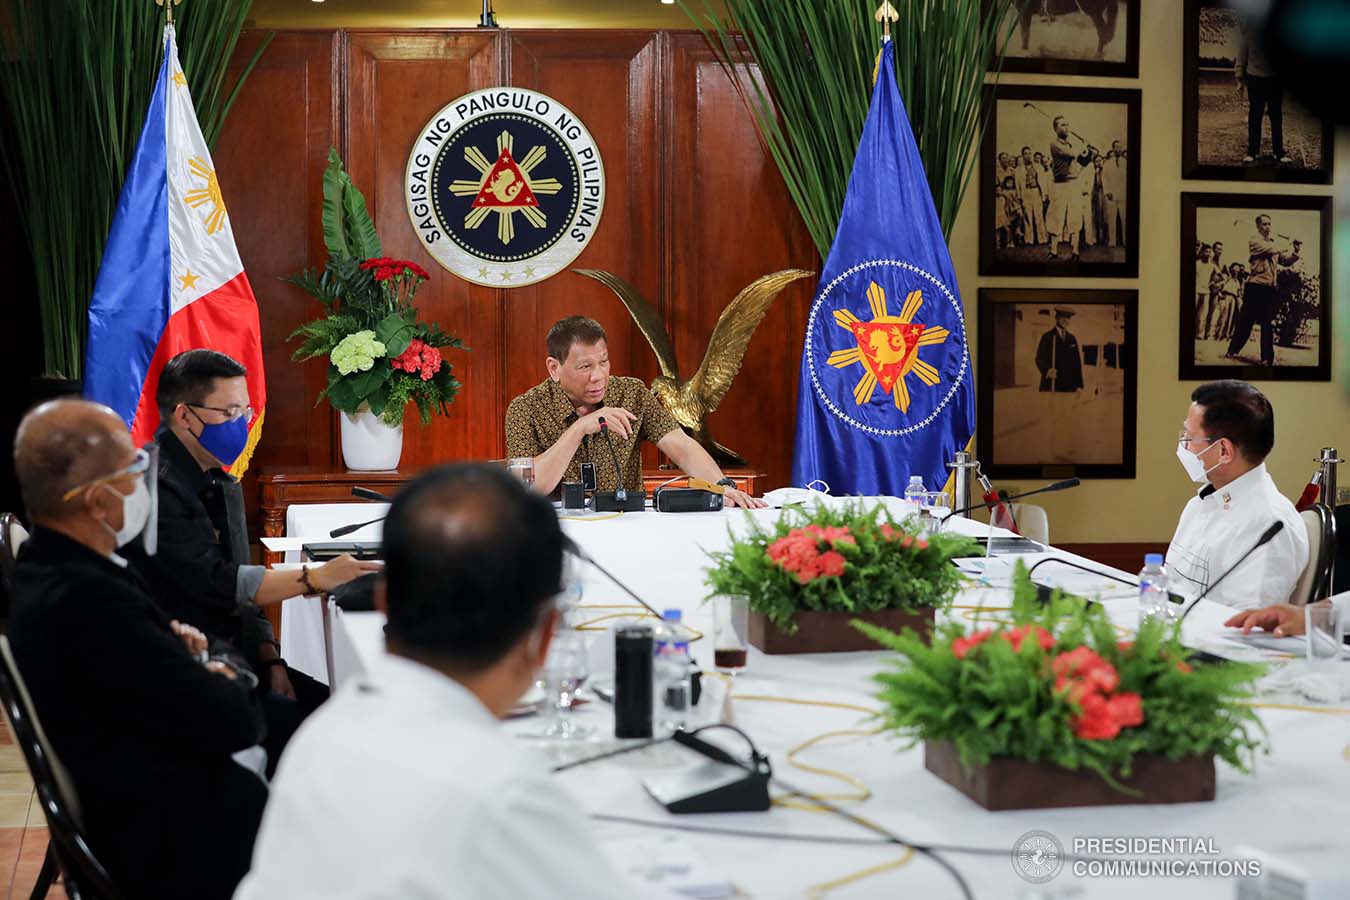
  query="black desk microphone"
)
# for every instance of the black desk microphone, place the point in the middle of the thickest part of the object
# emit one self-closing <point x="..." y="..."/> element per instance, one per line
<point x="1266" y="537"/>
<point x="1049" y="488"/>
<point x="620" y="499"/>
<point x="364" y="494"/>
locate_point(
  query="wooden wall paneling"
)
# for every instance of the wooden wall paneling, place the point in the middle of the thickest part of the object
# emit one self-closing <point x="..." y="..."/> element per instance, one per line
<point x="395" y="82"/>
<point x="731" y="220"/>
<point x="271" y="156"/>
<point x="611" y="81"/>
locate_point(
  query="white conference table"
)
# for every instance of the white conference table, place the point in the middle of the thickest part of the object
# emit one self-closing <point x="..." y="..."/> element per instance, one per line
<point x="1287" y="807"/>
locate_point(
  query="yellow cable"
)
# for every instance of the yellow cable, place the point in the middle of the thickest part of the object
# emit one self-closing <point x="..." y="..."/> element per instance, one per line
<point x="1329" y="710"/>
<point x="817" y="891"/>
<point x="603" y="518"/>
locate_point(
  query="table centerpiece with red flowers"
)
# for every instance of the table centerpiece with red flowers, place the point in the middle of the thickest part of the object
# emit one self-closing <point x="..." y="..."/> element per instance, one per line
<point x="1051" y="704"/>
<point x="807" y="575"/>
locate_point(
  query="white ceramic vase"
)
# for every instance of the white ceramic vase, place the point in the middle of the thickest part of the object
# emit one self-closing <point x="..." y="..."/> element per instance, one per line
<point x="369" y="445"/>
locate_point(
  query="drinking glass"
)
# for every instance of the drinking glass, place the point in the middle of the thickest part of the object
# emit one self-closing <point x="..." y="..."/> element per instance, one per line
<point x="565" y="671"/>
<point x="934" y="511"/>
<point x="523" y="468"/>
<point x="731" y="633"/>
<point x="1325" y="632"/>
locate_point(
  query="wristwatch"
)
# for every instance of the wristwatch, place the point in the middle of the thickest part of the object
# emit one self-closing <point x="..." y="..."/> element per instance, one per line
<point x="727" y="481"/>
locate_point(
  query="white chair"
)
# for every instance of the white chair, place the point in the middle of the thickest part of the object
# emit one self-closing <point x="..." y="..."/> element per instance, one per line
<point x="1312" y="584"/>
<point x="1032" y="521"/>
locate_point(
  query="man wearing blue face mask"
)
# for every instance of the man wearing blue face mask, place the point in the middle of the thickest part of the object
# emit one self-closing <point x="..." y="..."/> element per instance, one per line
<point x="1228" y="432"/>
<point x="201" y="573"/>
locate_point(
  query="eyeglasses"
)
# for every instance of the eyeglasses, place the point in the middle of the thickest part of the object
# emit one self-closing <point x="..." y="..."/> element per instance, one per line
<point x="1183" y="439"/>
<point x="230" y="412"/>
<point x="139" y="466"/>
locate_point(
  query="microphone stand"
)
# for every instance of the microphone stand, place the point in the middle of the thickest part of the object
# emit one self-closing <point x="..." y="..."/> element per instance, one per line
<point x="618" y="500"/>
<point x="1266" y="537"/>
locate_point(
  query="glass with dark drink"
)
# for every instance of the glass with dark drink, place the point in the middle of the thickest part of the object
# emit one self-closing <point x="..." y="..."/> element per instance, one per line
<point x="731" y="633"/>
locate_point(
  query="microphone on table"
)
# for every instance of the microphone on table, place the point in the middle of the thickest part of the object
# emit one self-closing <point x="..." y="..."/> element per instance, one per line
<point x="618" y="500"/>
<point x="1049" y="488"/>
<point x="364" y="494"/>
<point x="367" y="494"/>
<point x="1266" y="537"/>
<point x="574" y="548"/>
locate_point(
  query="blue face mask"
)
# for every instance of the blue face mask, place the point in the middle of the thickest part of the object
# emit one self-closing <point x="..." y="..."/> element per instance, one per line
<point x="226" y="440"/>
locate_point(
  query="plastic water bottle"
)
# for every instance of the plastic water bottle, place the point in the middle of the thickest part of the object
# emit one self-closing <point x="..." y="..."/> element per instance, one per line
<point x="671" y="672"/>
<point x="915" y="491"/>
<point x="1154" y="601"/>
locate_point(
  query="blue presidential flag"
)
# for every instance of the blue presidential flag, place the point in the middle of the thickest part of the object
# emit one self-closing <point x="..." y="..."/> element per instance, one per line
<point x="885" y="389"/>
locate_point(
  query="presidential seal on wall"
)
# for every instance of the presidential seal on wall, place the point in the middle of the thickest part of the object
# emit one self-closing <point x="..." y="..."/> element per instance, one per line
<point x="505" y="187"/>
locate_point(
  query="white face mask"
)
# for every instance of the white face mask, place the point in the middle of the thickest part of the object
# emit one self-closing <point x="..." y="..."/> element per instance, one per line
<point x="135" y="513"/>
<point x="1192" y="464"/>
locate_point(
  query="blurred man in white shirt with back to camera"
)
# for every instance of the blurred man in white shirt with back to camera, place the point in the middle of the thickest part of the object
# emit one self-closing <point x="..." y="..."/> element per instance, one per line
<point x="1228" y="432"/>
<point x="404" y="784"/>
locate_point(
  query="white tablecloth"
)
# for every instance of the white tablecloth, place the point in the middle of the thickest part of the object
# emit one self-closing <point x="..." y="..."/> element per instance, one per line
<point x="1284" y="806"/>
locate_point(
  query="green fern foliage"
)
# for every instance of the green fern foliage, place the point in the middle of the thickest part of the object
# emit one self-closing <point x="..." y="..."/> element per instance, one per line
<point x="997" y="691"/>
<point x="881" y="563"/>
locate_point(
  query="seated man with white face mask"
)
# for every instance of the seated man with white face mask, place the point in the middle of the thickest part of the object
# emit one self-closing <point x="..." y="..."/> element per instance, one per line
<point x="145" y="728"/>
<point x="1227" y="435"/>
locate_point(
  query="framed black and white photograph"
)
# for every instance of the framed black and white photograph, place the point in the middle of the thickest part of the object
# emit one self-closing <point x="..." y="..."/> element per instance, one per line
<point x="1074" y="37"/>
<point x="1254" y="305"/>
<point x="1059" y="182"/>
<point x="1238" y="122"/>
<point x="1057" y="383"/>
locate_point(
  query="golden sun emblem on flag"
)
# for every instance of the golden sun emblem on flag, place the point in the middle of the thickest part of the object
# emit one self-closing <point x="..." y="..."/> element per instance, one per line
<point x="210" y="194"/>
<point x="505" y="188"/>
<point x="888" y="347"/>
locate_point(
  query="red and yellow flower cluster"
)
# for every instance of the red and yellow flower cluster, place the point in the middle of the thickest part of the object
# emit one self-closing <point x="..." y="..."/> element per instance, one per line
<point x="1087" y="679"/>
<point x="419" y="358"/>
<point x="387" y="267"/>
<point x="1082" y="675"/>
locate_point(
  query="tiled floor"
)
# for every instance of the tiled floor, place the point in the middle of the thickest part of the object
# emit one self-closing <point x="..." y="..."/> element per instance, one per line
<point x="23" y="831"/>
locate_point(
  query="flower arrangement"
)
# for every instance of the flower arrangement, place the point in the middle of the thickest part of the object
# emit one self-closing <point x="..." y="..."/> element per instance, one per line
<point x="380" y="354"/>
<point x="1056" y="684"/>
<point x="848" y="559"/>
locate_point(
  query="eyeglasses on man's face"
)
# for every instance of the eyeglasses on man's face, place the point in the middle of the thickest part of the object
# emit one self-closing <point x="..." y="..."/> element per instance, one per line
<point x="138" y="466"/>
<point x="229" y="412"/>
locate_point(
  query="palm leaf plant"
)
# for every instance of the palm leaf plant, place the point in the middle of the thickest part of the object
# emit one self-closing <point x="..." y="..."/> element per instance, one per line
<point x="75" y="81"/>
<point x="380" y="355"/>
<point x="815" y="61"/>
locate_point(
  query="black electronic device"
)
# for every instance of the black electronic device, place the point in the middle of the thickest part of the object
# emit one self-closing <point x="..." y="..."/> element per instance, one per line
<point x="620" y="499"/>
<point x="633" y="681"/>
<point x="323" y="551"/>
<point x="573" y="495"/>
<point x="588" y="476"/>
<point x="673" y="500"/>
<point x="1132" y="582"/>
<point x="366" y="493"/>
<point x="721" y="784"/>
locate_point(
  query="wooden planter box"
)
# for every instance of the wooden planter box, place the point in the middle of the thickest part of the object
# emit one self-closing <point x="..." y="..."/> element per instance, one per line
<point x="830" y="632"/>
<point x="1006" y="783"/>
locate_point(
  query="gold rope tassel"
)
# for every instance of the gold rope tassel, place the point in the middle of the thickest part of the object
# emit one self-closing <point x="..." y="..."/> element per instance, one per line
<point x="240" y="465"/>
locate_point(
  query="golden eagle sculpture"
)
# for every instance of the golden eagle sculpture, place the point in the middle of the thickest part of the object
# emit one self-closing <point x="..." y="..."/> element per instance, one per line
<point x="690" y="401"/>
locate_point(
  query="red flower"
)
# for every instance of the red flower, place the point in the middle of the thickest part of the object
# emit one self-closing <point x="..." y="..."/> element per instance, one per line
<point x="907" y="542"/>
<point x="1184" y="667"/>
<point x="832" y="563"/>
<point x="420" y="358"/>
<point x="963" y="645"/>
<point x="1125" y="646"/>
<point x="920" y="544"/>
<point x="1017" y="635"/>
<point x="418" y="271"/>
<point x="1126" y="709"/>
<point x="889" y="533"/>
<point x="1096" y="723"/>
<point x="1086" y="665"/>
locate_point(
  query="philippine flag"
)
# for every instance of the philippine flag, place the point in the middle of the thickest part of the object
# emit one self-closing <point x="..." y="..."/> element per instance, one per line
<point x="171" y="279"/>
